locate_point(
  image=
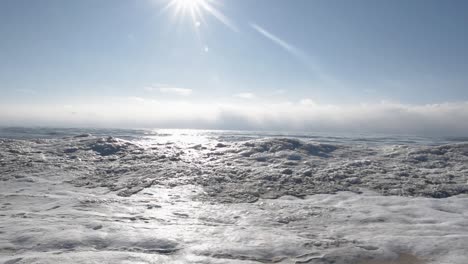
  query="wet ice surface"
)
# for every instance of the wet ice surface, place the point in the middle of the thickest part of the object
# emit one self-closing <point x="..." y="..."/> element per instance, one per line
<point x="231" y="199"/>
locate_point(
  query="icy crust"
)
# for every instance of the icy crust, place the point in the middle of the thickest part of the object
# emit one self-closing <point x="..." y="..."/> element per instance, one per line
<point x="47" y="223"/>
<point x="86" y="199"/>
<point x="242" y="171"/>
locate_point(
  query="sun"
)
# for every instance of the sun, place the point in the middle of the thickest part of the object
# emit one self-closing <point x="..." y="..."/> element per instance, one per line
<point x="189" y="4"/>
<point x="197" y="9"/>
<point x="192" y="8"/>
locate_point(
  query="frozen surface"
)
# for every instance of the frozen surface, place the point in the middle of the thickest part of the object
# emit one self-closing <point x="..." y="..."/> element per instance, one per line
<point x="161" y="198"/>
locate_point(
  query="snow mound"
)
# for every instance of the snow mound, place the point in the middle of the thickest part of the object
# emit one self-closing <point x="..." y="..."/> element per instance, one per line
<point x="242" y="171"/>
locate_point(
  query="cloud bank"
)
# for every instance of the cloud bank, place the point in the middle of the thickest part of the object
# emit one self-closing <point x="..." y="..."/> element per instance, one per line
<point x="245" y="95"/>
<point x="176" y="91"/>
<point x="306" y="115"/>
<point x="169" y="90"/>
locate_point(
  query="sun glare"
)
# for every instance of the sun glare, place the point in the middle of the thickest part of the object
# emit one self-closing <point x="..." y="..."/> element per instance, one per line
<point x="188" y="4"/>
<point x="192" y="8"/>
<point x="196" y="9"/>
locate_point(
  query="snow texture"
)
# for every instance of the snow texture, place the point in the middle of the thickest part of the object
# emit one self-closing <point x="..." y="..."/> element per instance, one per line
<point x="103" y="199"/>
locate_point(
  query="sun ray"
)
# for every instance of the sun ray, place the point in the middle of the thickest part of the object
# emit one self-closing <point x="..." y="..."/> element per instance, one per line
<point x="196" y="9"/>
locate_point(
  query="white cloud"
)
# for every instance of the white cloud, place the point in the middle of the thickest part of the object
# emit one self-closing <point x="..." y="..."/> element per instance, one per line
<point x="245" y="95"/>
<point x="136" y="99"/>
<point x="449" y="118"/>
<point x="176" y="91"/>
<point x="166" y="89"/>
<point x="307" y="101"/>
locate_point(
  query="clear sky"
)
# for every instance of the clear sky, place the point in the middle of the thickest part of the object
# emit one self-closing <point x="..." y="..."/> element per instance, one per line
<point x="327" y="64"/>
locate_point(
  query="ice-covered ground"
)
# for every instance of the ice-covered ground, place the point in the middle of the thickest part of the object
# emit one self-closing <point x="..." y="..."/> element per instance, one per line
<point x="231" y="198"/>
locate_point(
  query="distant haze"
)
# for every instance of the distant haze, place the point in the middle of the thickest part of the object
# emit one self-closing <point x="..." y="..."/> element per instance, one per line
<point x="383" y="117"/>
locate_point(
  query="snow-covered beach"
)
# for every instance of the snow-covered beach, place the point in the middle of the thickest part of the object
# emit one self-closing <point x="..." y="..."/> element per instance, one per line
<point x="224" y="197"/>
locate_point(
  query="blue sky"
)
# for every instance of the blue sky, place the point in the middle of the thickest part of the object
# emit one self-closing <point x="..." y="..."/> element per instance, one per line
<point x="331" y="54"/>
